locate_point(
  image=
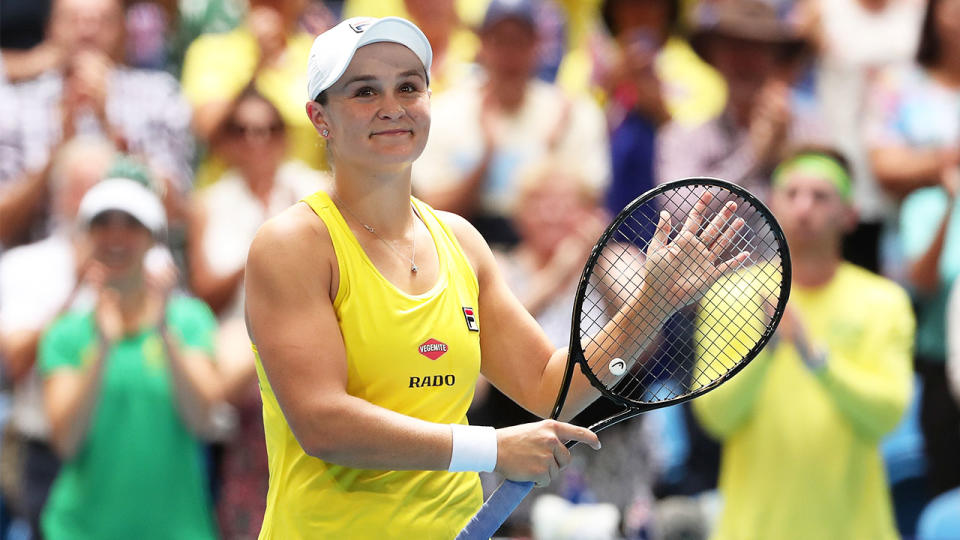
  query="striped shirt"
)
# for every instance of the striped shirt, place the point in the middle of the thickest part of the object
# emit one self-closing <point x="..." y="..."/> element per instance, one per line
<point x="145" y="107"/>
<point x="722" y="149"/>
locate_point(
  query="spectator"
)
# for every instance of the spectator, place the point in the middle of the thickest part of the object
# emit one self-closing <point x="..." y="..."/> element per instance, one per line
<point x="128" y="386"/>
<point x="915" y="152"/>
<point x="38" y="282"/>
<point x="857" y="39"/>
<point x="226" y="216"/>
<point x="267" y="51"/>
<point x="260" y="183"/>
<point x="802" y="424"/>
<point x="558" y="218"/>
<point x="90" y="92"/>
<point x="915" y="129"/>
<point x="488" y="127"/>
<point x="759" y="56"/>
<point x="930" y="231"/>
<point x="654" y="78"/>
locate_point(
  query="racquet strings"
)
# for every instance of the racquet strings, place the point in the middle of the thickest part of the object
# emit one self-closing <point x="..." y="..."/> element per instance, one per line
<point x="701" y="343"/>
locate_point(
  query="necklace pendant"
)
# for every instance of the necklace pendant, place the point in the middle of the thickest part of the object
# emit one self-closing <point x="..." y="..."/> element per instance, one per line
<point x="413" y="268"/>
<point x="369" y="228"/>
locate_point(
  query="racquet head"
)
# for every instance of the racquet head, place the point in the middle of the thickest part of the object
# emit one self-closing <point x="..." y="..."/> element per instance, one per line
<point x="713" y="311"/>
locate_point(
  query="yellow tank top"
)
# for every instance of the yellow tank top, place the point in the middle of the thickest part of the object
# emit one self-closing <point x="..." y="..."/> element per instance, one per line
<point x="415" y="354"/>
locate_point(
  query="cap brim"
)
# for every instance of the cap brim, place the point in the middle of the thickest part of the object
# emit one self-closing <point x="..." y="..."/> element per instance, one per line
<point x="127" y="196"/>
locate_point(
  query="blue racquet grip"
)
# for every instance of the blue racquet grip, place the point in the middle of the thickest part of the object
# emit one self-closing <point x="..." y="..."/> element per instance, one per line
<point x="496" y="510"/>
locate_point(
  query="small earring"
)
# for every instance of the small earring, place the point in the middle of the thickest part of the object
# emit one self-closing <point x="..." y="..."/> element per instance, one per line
<point x="325" y="132"/>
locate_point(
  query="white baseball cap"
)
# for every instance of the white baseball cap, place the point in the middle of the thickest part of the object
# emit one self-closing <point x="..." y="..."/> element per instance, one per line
<point x="332" y="50"/>
<point x="125" y="195"/>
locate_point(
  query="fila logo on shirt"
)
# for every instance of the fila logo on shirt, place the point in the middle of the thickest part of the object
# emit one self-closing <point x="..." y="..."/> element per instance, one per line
<point x="471" y="319"/>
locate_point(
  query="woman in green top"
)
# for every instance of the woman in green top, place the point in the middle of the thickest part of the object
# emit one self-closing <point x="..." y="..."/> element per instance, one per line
<point x="128" y="387"/>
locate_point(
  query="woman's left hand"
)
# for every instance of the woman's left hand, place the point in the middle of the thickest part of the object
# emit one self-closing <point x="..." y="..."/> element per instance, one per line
<point x="678" y="272"/>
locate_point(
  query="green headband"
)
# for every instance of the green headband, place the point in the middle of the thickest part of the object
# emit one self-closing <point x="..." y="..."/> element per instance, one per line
<point x="820" y="166"/>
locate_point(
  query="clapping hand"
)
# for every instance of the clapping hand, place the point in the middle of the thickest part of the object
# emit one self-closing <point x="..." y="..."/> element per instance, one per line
<point x="678" y="272"/>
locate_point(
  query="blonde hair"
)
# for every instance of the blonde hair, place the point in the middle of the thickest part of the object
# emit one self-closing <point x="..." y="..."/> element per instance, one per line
<point x="550" y="169"/>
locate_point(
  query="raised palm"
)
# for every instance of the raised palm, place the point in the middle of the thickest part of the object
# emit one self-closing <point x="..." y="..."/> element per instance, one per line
<point x="678" y="271"/>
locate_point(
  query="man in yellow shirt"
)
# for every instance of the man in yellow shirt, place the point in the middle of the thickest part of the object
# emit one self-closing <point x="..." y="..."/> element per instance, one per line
<point x="801" y="425"/>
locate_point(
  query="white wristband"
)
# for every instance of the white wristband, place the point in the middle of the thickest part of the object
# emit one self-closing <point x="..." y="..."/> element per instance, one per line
<point x="474" y="448"/>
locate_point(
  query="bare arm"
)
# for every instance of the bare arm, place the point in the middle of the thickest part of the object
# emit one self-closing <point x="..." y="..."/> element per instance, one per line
<point x="463" y="197"/>
<point x="900" y="170"/>
<point x="20" y="201"/>
<point x="196" y="384"/>
<point x="207" y="117"/>
<point x="235" y="361"/>
<point x="19" y="352"/>
<point x="216" y="290"/>
<point x="21" y="65"/>
<point x="519" y="359"/>
<point x="70" y="396"/>
<point x="924" y="271"/>
<point x="292" y="321"/>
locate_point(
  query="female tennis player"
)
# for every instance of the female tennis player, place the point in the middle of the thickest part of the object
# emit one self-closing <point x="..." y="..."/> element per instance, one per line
<point x="373" y="315"/>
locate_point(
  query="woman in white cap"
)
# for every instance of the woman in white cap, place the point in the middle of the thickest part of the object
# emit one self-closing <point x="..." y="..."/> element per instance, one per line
<point x="128" y="386"/>
<point x="370" y="311"/>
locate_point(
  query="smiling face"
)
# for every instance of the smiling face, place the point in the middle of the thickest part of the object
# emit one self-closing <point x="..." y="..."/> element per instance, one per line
<point x="87" y="24"/>
<point x="378" y="112"/>
<point x="255" y="137"/>
<point x="119" y="243"/>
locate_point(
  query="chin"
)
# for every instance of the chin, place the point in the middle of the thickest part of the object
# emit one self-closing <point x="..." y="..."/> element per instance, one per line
<point x="395" y="154"/>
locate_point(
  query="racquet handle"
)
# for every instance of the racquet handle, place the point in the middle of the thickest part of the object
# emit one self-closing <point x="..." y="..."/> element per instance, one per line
<point x="496" y="510"/>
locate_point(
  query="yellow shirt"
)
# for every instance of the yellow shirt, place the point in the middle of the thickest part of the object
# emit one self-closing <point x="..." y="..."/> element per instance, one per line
<point x="418" y="355"/>
<point x="801" y="454"/>
<point x="217" y="67"/>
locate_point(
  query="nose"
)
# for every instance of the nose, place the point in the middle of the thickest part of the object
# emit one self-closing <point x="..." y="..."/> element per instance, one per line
<point x="803" y="202"/>
<point x="390" y="108"/>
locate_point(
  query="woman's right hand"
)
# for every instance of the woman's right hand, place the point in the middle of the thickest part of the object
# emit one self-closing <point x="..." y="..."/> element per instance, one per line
<point x="536" y="452"/>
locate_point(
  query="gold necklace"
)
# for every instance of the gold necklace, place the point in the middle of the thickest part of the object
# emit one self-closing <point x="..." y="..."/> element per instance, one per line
<point x="413" y="265"/>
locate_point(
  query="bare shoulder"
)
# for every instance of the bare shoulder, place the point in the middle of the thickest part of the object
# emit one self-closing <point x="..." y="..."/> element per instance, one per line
<point x="288" y="244"/>
<point x="466" y="233"/>
<point x="292" y="234"/>
<point x="472" y="242"/>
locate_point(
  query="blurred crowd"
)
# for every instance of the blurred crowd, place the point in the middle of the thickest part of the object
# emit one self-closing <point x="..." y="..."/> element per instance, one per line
<point x="142" y="143"/>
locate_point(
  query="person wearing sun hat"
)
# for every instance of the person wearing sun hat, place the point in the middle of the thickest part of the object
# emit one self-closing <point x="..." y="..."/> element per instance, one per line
<point x="128" y="384"/>
<point x="759" y="54"/>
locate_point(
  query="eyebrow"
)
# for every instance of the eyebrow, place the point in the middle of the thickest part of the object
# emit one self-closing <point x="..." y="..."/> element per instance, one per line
<point x="368" y="78"/>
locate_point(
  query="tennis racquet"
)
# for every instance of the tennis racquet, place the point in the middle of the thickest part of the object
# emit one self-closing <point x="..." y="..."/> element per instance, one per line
<point x="722" y="279"/>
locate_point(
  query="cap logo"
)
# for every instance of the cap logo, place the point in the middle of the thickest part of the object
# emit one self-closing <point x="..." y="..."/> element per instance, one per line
<point x="432" y="349"/>
<point x="361" y="26"/>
